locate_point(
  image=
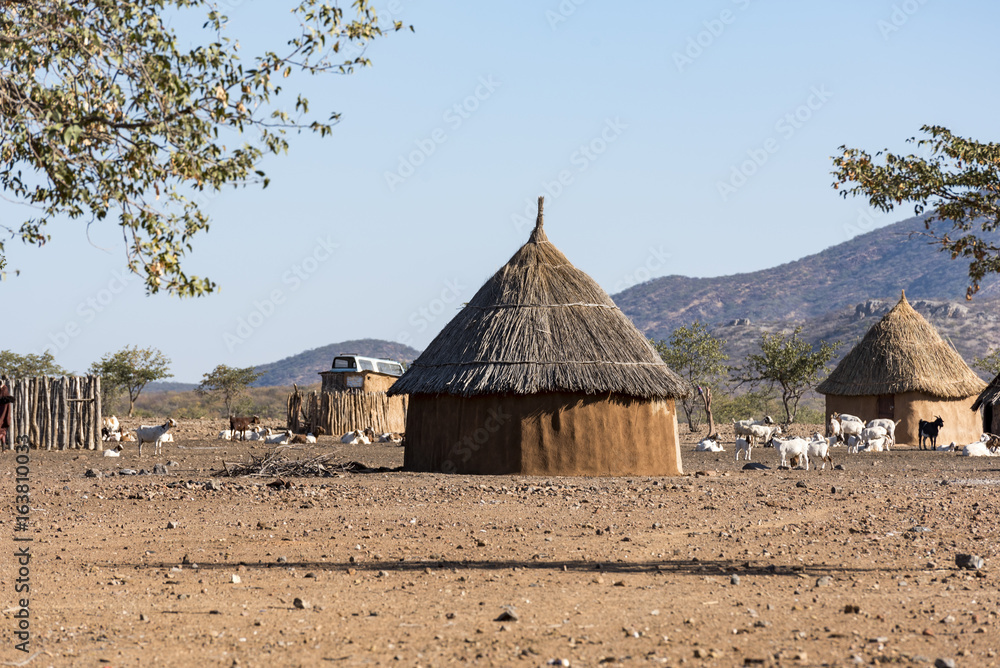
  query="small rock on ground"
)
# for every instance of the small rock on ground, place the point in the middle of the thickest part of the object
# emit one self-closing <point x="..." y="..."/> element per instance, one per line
<point x="971" y="562"/>
<point x="509" y="614"/>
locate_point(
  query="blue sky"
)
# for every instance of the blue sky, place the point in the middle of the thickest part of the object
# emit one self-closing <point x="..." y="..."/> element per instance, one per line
<point x="668" y="138"/>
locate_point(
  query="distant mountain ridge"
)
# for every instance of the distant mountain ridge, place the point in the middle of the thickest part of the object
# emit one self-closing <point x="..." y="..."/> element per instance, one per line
<point x="875" y="265"/>
<point x="835" y="294"/>
<point x="304" y="368"/>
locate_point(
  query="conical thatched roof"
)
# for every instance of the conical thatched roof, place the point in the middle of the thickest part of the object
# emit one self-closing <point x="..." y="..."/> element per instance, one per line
<point x="903" y="353"/>
<point x="540" y="325"/>
<point x="991" y="395"/>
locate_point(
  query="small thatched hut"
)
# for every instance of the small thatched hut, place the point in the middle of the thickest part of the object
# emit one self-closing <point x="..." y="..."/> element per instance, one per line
<point x="541" y="374"/>
<point x="987" y="401"/>
<point x="903" y="370"/>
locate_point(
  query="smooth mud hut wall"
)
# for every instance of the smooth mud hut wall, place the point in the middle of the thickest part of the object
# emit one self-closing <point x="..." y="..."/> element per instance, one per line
<point x="549" y="434"/>
<point x="903" y="370"/>
<point x="56" y="413"/>
<point x="540" y="373"/>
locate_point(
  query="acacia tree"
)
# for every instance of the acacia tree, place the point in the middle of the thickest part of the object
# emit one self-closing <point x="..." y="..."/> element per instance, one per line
<point x="228" y="383"/>
<point x="103" y="113"/>
<point x="789" y="363"/>
<point x="130" y="370"/>
<point x="13" y="365"/>
<point x="700" y="358"/>
<point x="959" y="183"/>
<point x="990" y="363"/>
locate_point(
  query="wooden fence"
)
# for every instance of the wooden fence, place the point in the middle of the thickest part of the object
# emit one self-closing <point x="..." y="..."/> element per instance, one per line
<point x="341" y="412"/>
<point x="56" y="413"/>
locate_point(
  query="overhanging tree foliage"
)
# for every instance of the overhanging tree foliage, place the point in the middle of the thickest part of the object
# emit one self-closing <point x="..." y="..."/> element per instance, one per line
<point x="959" y="183"/>
<point x="103" y="113"/>
<point x="228" y="383"/>
<point x="789" y="363"/>
<point x="700" y="358"/>
<point x="131" y="369"/>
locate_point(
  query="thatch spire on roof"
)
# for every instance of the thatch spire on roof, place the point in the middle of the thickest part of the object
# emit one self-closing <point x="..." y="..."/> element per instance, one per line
<point x="539" y="324"/>
<point x="538" y="234"/>
<point x="902" y="353"/>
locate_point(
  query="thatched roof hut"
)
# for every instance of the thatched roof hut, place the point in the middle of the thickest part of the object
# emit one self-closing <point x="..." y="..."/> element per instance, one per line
<point x="903" y="370"/>
<point x="987" y="401"/>
<point x="541" y="373"/>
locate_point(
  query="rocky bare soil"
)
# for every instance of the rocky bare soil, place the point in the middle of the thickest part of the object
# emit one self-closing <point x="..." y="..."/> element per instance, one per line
<point x="719" y="567"/>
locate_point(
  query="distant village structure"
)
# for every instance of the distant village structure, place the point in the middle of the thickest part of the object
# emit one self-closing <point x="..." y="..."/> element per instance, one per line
<point x="987" y="403"/>
<point x="541" y="374"/>
<point x="352" y="396"/>
<point x="903" y="370"/>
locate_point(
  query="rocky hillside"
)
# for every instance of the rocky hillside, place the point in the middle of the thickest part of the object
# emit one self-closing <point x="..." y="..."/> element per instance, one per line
<point x="875" y="265"/>
<point x="973" y="328"/>
<point x="835" y="295"/>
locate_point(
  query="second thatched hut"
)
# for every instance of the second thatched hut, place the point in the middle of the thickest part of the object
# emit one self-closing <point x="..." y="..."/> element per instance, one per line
<point x="541" y="374"/>
<point x="903" y="370"/>
<point x="989" y="403"/>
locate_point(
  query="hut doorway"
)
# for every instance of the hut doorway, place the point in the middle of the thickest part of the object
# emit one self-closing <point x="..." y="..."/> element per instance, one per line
<point x="886" y="407"/>
<point x="989" y="425"/>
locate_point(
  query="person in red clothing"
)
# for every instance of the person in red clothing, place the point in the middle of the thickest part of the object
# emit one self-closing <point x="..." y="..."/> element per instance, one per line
<point x="5" y="407"/>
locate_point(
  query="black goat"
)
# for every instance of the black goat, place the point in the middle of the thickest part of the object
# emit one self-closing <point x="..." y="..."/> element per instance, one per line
<point x="929" y="430"/>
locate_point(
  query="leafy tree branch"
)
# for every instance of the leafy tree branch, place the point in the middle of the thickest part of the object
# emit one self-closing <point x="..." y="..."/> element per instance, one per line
<point x="103" y="114"/>
<point x="959" y="183"/>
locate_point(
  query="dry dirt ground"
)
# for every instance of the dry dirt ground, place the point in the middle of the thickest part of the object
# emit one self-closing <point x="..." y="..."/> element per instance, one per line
<point x="732" y="568"/>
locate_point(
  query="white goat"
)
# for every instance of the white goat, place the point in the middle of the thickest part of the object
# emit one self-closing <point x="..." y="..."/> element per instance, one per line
<point x="792" y="447"/>
<point x="852" y="444"/>
<point x="280" y="439"/>
<point x="833" y="428"/>
<point x="743" y="445"/>
<point x="154" y="435"/>
<point x="111" y="429"/>
<point x="708" y="445"/>
<point x="390" y="438"/>
<point x="257" y="434"/>
<point x="740" y="427"/>
<point x="871" y="435"/>
<point x="888" y="425"/>
<point x="978" y="449"/>
<point x="355" y="437"/>
<point x="819" y="448"/>
<point x="850" y="428"/>
<point x="114" y="452"/>
<point x="762" y="434"/>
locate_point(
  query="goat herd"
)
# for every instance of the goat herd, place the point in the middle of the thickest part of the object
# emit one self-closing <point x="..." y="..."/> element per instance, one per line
<point x="240" y="429"/>
<point x="849" y="430"/>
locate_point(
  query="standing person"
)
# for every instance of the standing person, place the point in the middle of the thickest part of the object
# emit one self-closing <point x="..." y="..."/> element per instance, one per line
<point x="5" y="407"/>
